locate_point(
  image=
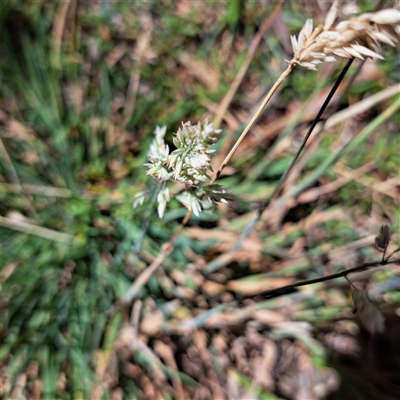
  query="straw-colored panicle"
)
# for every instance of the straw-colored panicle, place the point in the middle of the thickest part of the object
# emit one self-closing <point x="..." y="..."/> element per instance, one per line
<point x="357" y="37"/>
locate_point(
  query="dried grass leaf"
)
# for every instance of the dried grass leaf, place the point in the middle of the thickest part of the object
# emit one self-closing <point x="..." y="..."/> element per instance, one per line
<point x="369" y="314"/>
<point x="257" y="286"/>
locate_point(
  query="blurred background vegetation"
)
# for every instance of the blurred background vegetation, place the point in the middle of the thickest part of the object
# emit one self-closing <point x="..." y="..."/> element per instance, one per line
<point x="83" y="86"/>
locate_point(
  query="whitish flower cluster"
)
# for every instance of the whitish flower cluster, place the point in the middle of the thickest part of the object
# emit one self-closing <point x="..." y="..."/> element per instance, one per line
<point x="204" y="198"/>
<point x="357" y="37"/>
<point x="158" y="154"/>
<point x="191" y="160"/>
<point x="189" y="164"/>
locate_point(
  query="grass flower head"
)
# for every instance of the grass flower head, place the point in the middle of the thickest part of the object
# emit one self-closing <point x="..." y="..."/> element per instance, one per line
<point x="189" y="163"/>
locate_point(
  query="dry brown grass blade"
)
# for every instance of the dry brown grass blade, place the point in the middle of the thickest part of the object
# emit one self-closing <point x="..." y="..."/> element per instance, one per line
<point x="315" y="193"/>
<point x="145" y="275"/>
<point x="206" y="359"/>
<point x="269" y="209"/>
<point x="276" y="220"/>
<point x="142" y="47"/>
<point x="270" y="131"/>
<point x="135" y="317"/>
<point x="223" y="107"/>
<point x="245" y="287"/>
<point x="388" y="187"/>
<point x="166" y="354"/>
<point x="253" y="120"/>
<point x="126" y="344"/>
<point x="37" y="189"/>
<point x="9" y="167"/>
<point x="340" y="116"/>
<point x="13" y="177"/>
<point x="361" y="106"/>
<point x="31" y="229"/>
<point x="58" y="29"/>
<point x="200" y="70"/>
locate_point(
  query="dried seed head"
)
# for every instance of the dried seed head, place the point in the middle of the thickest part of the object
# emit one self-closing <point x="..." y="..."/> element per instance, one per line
<point x="357" y="37"/>
<point x="331" y="16"/>
<point x="389" y="16"/>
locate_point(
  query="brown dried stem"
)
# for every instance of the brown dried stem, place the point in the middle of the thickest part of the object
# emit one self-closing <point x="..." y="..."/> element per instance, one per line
<point x="253" y="120"/>
<point x="145" y="275"/>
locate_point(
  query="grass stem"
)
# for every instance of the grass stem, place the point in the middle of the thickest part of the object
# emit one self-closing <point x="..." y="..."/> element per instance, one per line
<point x="253" y="120"/>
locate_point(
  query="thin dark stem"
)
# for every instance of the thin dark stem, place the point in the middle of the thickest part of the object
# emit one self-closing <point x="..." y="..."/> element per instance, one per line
<point x="350" y="81"/>
<point x="383" y="255"/>
<point x="309" y="132"/>
<point x="350" y="282"/>
<point x="390" y="255"/>
<point x="292" y="288"/>
<point x="282" y="179"/>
